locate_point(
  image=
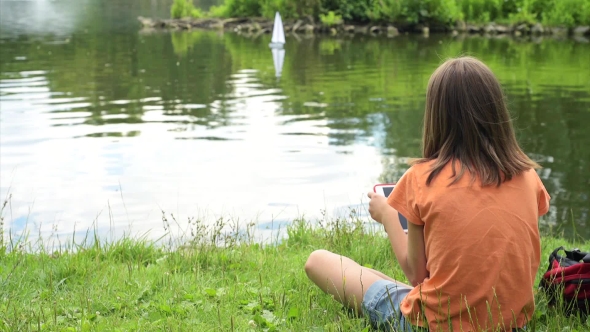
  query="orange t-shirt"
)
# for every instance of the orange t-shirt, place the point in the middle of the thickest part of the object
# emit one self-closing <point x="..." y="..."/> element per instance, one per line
<point x="482" y="248"/>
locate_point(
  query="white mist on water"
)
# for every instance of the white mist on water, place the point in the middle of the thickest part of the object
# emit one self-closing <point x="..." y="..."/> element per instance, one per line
<point x="40" y="17"/>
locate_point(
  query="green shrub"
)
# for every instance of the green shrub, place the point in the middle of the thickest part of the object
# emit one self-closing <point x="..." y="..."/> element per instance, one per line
<point x="197" y="13"/>
<point x="219" y="11"/>
<point x="266" y="8"/>
<point x="445" y="12"/>
<point x="354" y="10"/>
<point x="391" y="10"/>
<point x="330" y="19"/>
<point x="184" y="8"/>
<point x="430" y="12"/>
<point x="481" y="10"/>
<point x="244" y="8"/>
<point x="568" y="13"/>
<point x="291" y="9"/>
<point x="522" y="12"/>
<point x="584" y="13"/>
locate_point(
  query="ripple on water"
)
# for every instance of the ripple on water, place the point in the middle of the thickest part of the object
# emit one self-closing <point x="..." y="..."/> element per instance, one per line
<point x="149" y="108"/>
<point x="25" y="82"/>
<point x="121" y="102"/>
<point x="315" y="104"/>
<point x="24" y="90"/>
<point x="192" y="106"/>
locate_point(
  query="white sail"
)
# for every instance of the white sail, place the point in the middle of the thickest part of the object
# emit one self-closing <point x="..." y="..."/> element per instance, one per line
<point x="278" y="33"/>
<point x="278" y="57"/>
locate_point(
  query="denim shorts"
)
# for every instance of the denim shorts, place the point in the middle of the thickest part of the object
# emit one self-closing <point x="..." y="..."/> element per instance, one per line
<point x="384" y="312"/>
<point x="381" y="304"/>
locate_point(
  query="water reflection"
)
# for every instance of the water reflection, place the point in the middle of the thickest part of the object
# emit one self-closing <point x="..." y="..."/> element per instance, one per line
<point x="110" y="129"/>
<point x="278" y="58"/>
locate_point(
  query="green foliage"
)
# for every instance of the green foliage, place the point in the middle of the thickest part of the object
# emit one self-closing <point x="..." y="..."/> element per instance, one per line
<point x="443" y="12"/>
<point x="389" y="10"/>
<point x="218" y="11"/>
<point x="244" y="8"/>
<point x="351" y="10"/>
<point x="330" y="19"/>
<point x="289" y="9"/>
<point x="430" y="12"/>
<point x="185" y="8"/>
<point x="523" y="12"/>
<point x="197" y="13"/>
<point x="481" y="11"/>
<point x="567" y="13"/>
<point x="266" y="8"/>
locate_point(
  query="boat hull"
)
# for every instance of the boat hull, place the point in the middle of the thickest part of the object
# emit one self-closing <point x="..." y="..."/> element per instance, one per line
<point x="276" y="45"/>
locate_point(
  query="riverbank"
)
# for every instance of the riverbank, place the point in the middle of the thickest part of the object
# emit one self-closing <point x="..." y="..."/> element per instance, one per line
<point x="309" y="26"/>
<point x="519" y="17"/>
<point x="133" y="284"/>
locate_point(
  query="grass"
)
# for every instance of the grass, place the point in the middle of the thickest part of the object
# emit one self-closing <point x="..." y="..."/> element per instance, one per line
<point x="216" y="281"/>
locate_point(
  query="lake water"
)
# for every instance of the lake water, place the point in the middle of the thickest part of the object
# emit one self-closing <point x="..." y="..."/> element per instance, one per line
<point x="105" y="126"/>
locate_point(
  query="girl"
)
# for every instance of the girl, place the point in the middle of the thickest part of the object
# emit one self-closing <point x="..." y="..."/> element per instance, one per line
<point x="472" y="201"/>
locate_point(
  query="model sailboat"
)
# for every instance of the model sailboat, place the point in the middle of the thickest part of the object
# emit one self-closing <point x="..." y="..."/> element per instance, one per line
<point x="276" y="45"/>
<point x="278" y="33"/>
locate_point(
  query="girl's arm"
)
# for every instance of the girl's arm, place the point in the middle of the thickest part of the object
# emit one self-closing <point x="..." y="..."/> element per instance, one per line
<point x="409" y="249"/>
<point x="416" y="258"/>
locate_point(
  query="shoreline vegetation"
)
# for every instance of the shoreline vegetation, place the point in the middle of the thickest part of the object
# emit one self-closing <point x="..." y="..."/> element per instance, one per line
<point x="388" y="17"/>
<point x="216" y="279"/>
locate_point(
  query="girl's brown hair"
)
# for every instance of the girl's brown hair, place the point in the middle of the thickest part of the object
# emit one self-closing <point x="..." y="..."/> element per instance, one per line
<point x="466" y="121"/>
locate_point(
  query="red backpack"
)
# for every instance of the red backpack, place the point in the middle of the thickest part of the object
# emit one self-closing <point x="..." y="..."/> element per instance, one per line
<point x="567" y="280"/>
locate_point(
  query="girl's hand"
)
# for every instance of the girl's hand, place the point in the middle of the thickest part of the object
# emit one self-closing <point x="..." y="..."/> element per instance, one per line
<point x="378" y="206"/>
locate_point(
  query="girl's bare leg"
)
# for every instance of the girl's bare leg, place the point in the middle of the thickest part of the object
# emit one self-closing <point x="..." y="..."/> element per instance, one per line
<point x="341" y="277"/>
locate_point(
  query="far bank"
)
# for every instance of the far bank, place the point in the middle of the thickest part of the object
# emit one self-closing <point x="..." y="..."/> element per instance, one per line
<point x="261" y="25"/>
<point x="517" y="17"/>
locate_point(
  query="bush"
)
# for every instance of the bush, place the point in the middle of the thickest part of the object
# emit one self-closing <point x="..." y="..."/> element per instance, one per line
<point x="568" y="13"/>
<point x="330" y="19"/>
<point x="289" y="9"/>
<point x="390" y="10"/>
<point x="398" y="11"/>
<point x="267" y="8"/>
<point x="350" y="10"/>
<point x="197" y="13"/>
<point x="184" y="8"/>
<point x="244" y="8"/>
<point x="429" y="12"/>
<point x="219" y="11"/>
<point x="522" y="11"/>
<point x="443" y="12"/>
<point x="481" y="11"/>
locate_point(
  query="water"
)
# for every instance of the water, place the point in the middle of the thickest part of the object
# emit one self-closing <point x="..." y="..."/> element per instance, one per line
<point x="104" y="126"/>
